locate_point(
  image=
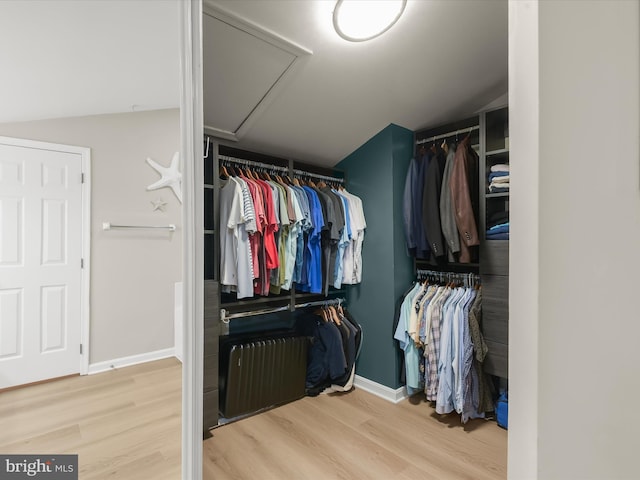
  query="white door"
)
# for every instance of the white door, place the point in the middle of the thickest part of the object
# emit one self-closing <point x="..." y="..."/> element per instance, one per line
<point x="41" y="225"/>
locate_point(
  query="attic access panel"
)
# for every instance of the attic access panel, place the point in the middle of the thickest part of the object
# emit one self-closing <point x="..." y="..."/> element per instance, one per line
<point x="243" y="68"/>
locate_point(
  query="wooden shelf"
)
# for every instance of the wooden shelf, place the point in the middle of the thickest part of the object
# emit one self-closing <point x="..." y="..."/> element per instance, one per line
<point x="497" y="195"/>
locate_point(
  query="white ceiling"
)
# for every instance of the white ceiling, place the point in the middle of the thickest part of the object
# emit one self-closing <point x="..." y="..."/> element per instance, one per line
<point x="64" y="58"/>
<point x="444" y="59"/>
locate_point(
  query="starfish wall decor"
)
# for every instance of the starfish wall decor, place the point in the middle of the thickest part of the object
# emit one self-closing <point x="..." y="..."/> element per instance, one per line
<point x="171" y="176"/>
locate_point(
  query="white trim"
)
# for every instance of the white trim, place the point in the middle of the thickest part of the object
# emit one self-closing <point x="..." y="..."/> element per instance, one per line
<point x="269" y="36"/>
<point x="85" y="308"/>
<point x="177" y="320"/>
<point x="382" y="391"/>
<point x="85" y="280"/>
<point x="191" y="147"/>
<point x="130" y="360"/>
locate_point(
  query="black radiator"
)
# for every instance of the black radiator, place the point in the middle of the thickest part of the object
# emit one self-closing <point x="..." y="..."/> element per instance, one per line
<point x="261" y="373"/>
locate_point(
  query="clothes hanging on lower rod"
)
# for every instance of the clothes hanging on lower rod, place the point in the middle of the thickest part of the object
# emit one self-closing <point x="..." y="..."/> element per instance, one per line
<point x="275" y="234"/>
<point x="439" y="332"/>
<point x="336" y="339"/>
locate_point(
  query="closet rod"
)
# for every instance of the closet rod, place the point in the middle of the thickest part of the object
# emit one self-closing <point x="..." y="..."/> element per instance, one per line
<point x="225" y="316"/>
<point x="449" y="275"/>
<point x="318" y="176"/>
<point x="332" y="301"/>
<point x="251" y="163"/>
<point x="448" y="134"/>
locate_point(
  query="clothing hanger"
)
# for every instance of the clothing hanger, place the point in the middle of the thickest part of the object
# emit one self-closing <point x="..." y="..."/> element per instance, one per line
<point x="445" y="146"/>
<point x="310" y="183"/>
<point x="334" y="315"/>
<point x="223" y="169"/>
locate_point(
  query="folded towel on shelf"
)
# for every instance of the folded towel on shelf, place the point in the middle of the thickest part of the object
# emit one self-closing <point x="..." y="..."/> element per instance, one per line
<point x="504" y="179"/>
<point x="500" y="167"/>
<point x="498" y="236"/>
<point x="503" y="228"/>
<point x="498" y="187"/>
<point x="493" y="175"/>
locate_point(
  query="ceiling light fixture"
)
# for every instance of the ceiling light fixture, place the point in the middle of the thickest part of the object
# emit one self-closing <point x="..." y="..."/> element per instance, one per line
<point x="360" y="20"/>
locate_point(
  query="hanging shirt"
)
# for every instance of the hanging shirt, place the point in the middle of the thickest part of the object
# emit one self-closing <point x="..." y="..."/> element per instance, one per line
<point x="411" y="354"/>
<point x="465" y="350"/>
<point x="305" y="225"/>
<point x="446" y="380"/>
<point x="352" y="263"/>
<point x="447" y="214"/>
<point x="417" y="244"/>
<point x="230" y="216"/>
<point x="431" y="204"/>
<point x="337" y="227"/>
<point x="342" y="244"/>
<point x="432" y="351"/>
<point x="255" y="239"/>
<point x="464" y="193"/>
<point x="314" y="250"/>
<point x="244" y="257"/>
<point x="292" y="239"/>
<point x="271" y="250"/>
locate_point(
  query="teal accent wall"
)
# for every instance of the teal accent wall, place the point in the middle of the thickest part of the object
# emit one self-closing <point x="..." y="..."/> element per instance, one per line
<point x="375" y="172"/>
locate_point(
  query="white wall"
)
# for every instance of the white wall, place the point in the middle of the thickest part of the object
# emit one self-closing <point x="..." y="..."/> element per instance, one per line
<point x="132" y="272"/>
<point x="573" y="360"/>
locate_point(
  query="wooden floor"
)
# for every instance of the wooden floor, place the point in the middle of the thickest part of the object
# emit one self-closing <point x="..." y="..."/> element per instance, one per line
<point x="123" y="424"/>
<point x="355" y="436"/>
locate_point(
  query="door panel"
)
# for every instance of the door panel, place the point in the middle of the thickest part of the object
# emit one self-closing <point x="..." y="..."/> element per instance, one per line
<point x="53" y="318"/>
<point x="11" y="235"/>
<point x="10" y="323"/>
<point x="40" y="272"/>
<point x="54" y="228"/>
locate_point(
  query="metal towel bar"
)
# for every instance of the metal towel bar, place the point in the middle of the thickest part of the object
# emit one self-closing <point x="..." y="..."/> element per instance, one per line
<point x="111" y="226"/>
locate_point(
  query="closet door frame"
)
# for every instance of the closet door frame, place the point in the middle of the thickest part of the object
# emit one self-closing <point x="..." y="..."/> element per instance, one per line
<point x="192" y="152"/>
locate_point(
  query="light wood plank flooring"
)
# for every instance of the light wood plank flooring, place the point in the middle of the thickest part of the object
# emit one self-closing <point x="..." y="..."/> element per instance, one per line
<point x="123" y="424"/>
<point x="355" y="436"/>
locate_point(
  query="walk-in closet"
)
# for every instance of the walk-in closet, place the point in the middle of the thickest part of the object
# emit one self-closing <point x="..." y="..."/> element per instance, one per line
<point x="313" y="239"/>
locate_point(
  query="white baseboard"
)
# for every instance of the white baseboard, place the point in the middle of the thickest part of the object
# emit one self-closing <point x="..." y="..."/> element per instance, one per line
<point x="131" y="360"/>
<point x="382" y="391"/>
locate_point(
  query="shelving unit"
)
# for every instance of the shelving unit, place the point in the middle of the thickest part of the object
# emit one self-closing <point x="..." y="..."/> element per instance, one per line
<point x="494" y="254"/>
<point x="490" y="139"/>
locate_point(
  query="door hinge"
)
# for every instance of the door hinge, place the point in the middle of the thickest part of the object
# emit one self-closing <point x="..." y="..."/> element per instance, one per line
<point x="82" y="263"/>
<point x="80" y="349"/>
<point x="82" y="177"/>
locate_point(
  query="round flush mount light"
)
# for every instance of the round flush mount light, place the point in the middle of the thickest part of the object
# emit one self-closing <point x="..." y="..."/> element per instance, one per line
<point x="360" y="20"/>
